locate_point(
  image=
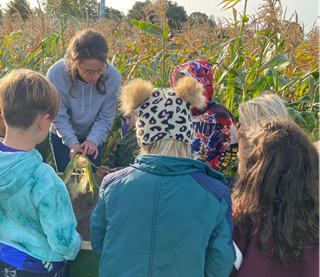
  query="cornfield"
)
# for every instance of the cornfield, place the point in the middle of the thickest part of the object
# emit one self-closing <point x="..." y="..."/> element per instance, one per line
<point x="250" y="54"/>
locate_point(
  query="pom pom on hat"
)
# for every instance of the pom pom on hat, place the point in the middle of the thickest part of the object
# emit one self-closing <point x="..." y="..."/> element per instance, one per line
<point x="134" y="94"/>
<point x="191" y="91"/>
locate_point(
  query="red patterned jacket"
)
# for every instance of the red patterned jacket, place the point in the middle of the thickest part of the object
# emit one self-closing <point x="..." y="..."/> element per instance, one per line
<point x="215" y="129"/>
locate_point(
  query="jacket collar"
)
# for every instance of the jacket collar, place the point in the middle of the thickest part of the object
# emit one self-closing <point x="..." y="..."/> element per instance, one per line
<point x="172" y="166"/>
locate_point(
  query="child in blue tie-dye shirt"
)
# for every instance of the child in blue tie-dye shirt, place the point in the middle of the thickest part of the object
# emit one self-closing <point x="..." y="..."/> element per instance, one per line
<point x="37" y="223"/>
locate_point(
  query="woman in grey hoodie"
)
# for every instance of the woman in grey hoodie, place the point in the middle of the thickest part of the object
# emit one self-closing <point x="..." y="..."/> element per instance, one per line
<point x="88" y="86"/>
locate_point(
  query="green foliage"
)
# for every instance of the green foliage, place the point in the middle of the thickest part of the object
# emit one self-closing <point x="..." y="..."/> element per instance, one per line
<point x="175" y="14"/>
<point x="111" y="13"/>
<point x="19" y="6"/>
<point x="147" y="27"/>
<point x="245" y="63"/>
<point x="92" y="8"/>
<point x="201" y="18"/>
<point x="60" y="7"/>
<point x="136" y="12"/>
<point x="1" y="15"/>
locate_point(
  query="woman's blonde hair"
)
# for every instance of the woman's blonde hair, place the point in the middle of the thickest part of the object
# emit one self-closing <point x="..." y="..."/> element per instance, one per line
<point x="261" y="106"/>
<point x="169" y="147"/>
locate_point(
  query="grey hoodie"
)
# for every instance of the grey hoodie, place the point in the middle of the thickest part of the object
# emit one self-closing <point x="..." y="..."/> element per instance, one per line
<point x="88" y="114"/>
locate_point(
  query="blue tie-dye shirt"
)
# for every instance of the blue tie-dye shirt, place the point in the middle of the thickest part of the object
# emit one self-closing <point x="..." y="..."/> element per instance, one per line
<point x="21" y="260"/>
<point x="37" y="230"/>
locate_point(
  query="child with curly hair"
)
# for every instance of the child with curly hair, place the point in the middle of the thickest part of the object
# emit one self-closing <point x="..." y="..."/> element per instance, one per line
<point x="276" y="201"/>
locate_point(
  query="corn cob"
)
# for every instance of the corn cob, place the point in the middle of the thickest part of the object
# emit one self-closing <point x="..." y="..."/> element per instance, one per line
<point x="82" y="162"/>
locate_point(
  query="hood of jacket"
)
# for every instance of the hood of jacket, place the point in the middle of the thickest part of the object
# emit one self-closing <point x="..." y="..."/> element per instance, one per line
<point x="200" y="70"/>
<point x="173" y="166"/>
<point x="16" y="168"/>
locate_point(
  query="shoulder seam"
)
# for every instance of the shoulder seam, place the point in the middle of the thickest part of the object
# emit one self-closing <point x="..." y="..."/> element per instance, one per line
<point x="107" y="184"/>
<point x="210" y="192"/>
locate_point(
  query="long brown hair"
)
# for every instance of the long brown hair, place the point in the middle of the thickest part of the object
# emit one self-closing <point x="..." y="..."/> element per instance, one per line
<point x="88" y="44"/>
<point x="278" y="190"/>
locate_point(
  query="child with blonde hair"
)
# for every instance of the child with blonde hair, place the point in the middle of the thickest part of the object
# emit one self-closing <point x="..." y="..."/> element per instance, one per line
<point x="261" y="106"/>
<point x="38" y="226"/>
<point x="166" y="215"/>
<point x="126" y="150"/>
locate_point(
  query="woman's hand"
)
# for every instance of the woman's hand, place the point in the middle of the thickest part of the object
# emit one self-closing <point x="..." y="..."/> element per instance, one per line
<point x="75" y="149"/>
<point x="102" y="173"/>
<point x="89" y="148"/>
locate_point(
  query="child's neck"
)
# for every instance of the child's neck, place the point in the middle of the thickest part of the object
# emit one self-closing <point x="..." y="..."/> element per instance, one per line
<point x="20" y="139"/>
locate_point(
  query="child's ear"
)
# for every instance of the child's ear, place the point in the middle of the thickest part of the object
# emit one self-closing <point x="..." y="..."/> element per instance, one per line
<point x="45" y="122"/>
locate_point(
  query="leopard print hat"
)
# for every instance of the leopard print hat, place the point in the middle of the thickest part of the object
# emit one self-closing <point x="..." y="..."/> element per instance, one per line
<point x="162" y="113"/>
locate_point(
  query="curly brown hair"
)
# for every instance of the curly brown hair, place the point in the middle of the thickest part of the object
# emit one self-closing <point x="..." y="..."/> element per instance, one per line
<point x="278" y="189"/>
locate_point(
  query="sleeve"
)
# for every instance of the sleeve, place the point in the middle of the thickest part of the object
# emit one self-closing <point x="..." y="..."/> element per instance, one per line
<point x="104" y="119"/>
<point x="62" y="120"/>
<point x="220" y="254"/>
<point x="58" y="221"/>
<point x="124" y="128"/>
<point x="98" y="225"/>
<point x="229" y="140"/>
<point x="113" y="157"/>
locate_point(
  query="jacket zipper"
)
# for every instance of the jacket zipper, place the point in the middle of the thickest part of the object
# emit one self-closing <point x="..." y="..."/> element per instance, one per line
<point x="154" y="223"/>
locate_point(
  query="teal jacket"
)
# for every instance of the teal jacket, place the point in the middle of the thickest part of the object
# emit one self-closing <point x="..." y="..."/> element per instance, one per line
<point x="36" y="214"/>
<point x="164" y="216"/>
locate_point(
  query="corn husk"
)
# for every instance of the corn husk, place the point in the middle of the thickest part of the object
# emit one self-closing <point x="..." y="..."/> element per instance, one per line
<point x="81" y="168"/>
<point x="82" y="162"/>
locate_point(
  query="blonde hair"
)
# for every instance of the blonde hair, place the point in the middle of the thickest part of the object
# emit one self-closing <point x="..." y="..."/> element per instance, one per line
<point x="25" y="94"/>
<point x="261" y="106"/>
<point x="169" y="147"/>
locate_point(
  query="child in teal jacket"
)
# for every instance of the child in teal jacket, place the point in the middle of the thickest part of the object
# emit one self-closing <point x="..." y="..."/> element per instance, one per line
<point x="37" y="223"/>
<point x="166" y="215"/>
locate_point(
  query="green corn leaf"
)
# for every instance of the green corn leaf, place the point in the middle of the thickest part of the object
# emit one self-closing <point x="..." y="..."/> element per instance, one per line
<point x="147" y="27"/>
<point x="303" y="100"/>
<point x="309" y="118"/>
<point x="280" y="59"/>
<point x="166" y="33"/>
<point x="230" y="93"/>
<point x="69" y="170"/>
<point x="315" y="134"/>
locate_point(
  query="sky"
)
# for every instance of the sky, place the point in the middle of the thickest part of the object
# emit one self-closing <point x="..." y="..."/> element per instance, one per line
<point x="308" y="10"/>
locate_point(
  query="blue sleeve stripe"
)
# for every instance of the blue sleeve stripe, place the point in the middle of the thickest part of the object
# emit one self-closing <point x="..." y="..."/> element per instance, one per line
<point x="111" y="178"/>
<point x="213" y="186"/>
<point x="227" y="198"/>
